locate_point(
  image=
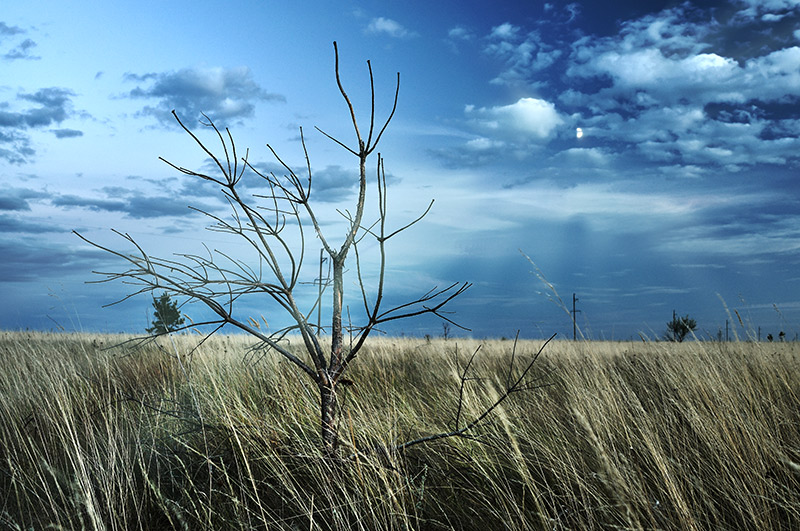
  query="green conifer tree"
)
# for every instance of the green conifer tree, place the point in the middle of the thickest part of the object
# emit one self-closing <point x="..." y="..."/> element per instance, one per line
<point x="167" y="315"/>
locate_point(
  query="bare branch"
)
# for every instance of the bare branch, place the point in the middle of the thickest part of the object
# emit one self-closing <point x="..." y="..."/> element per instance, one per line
<point x="391" y="115"/>
<point x="349" y="103"/>
<point x="515" y="387"/>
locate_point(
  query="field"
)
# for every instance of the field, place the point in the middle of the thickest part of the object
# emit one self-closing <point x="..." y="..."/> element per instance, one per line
<point x="623" y="436"/>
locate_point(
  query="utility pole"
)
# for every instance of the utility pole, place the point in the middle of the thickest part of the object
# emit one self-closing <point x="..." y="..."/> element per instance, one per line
<point x="574" y="320"/>
<point x="322" y="259"/>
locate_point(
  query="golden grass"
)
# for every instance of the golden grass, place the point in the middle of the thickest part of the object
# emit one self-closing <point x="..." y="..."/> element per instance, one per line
<point x="628" y="436"/>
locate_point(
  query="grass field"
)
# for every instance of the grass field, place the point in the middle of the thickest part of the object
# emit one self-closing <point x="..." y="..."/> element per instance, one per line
<point x="625" y="436"/>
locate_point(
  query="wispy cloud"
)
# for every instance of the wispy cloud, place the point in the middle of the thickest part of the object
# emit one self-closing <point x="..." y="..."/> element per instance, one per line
<point x="132" y="203"/>
<point x="67" y="133"/>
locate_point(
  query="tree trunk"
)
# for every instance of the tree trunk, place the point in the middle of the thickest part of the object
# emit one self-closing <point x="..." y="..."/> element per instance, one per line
<point x="329" y="410"/>
<point x="337" y="339"/>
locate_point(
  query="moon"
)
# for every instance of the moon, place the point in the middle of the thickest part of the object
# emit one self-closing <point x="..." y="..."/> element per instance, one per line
<point x="579" y="132"/>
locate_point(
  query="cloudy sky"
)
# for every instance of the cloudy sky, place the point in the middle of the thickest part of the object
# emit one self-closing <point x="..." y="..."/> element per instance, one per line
<point x="643" y="155"/>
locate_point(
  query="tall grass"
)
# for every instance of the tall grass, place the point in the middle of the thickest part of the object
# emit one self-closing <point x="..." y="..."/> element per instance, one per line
<point x="628" y="435"/>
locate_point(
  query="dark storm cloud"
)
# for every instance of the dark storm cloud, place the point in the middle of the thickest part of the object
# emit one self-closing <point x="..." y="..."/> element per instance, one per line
<point x="27" y="260"/>
<point x="67" y="133"/>
<point x="17" y="198"/>
<point x="224" y="94"/>
<point x="131" y="203"/>
<point x="94" y="204"/>
<point x="16" y="225"/>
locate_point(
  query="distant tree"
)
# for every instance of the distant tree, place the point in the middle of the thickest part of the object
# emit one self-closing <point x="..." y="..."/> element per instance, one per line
<point x="679" y="328"/>
<point x="167" y="316"/>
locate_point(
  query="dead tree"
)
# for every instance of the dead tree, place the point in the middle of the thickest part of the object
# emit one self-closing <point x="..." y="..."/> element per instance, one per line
<point x="274" y="224"/>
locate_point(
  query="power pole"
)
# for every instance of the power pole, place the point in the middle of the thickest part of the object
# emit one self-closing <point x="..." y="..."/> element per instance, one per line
<point x="574" y="316"/>
<point x="322" y="260"/>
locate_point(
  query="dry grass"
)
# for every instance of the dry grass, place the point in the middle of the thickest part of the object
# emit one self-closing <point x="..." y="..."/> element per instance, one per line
<point x="629" y="436"/>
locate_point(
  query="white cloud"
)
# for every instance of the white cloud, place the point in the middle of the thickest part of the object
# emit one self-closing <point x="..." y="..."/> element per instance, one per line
<point x="709" y="76"/>
<point x="670" y="97"/>
<point x="483" y="144"/>
<point x="460" y="33"/>
<point x="523" y="54"/>
<point x="389" y="27"/>
<point x="504" y="31"/>
<point x="767" y="10"/>
<point x="583" y="157"/>
<point x="528" y="116"/>
<point x="774" y="75"/>
<point x="779" y="238"/>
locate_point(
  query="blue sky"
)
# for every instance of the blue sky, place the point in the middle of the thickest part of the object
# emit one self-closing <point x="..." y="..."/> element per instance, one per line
<point x="681" y="194"/>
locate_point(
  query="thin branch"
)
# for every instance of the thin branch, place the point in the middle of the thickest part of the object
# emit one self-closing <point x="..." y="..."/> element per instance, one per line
<point x="391" y="115"/>
<point x="515" y="387"/>
<point x="349" y="103"/>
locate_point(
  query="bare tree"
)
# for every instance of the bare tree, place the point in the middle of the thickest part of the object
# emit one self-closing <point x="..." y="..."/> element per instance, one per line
<point x="274" y="225"/>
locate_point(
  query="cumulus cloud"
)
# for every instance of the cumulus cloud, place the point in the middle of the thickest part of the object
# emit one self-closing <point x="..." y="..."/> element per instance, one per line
<point x="665" y="86"/>
<point x="504" y="31"/>
<point x="225" y="94"/>
<point x="530" y="117"/>
<point x="524" y="53"/>
<point x="50" y="106"/>
<point x="389" y="27"/>
<point x="53" y="106"/>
